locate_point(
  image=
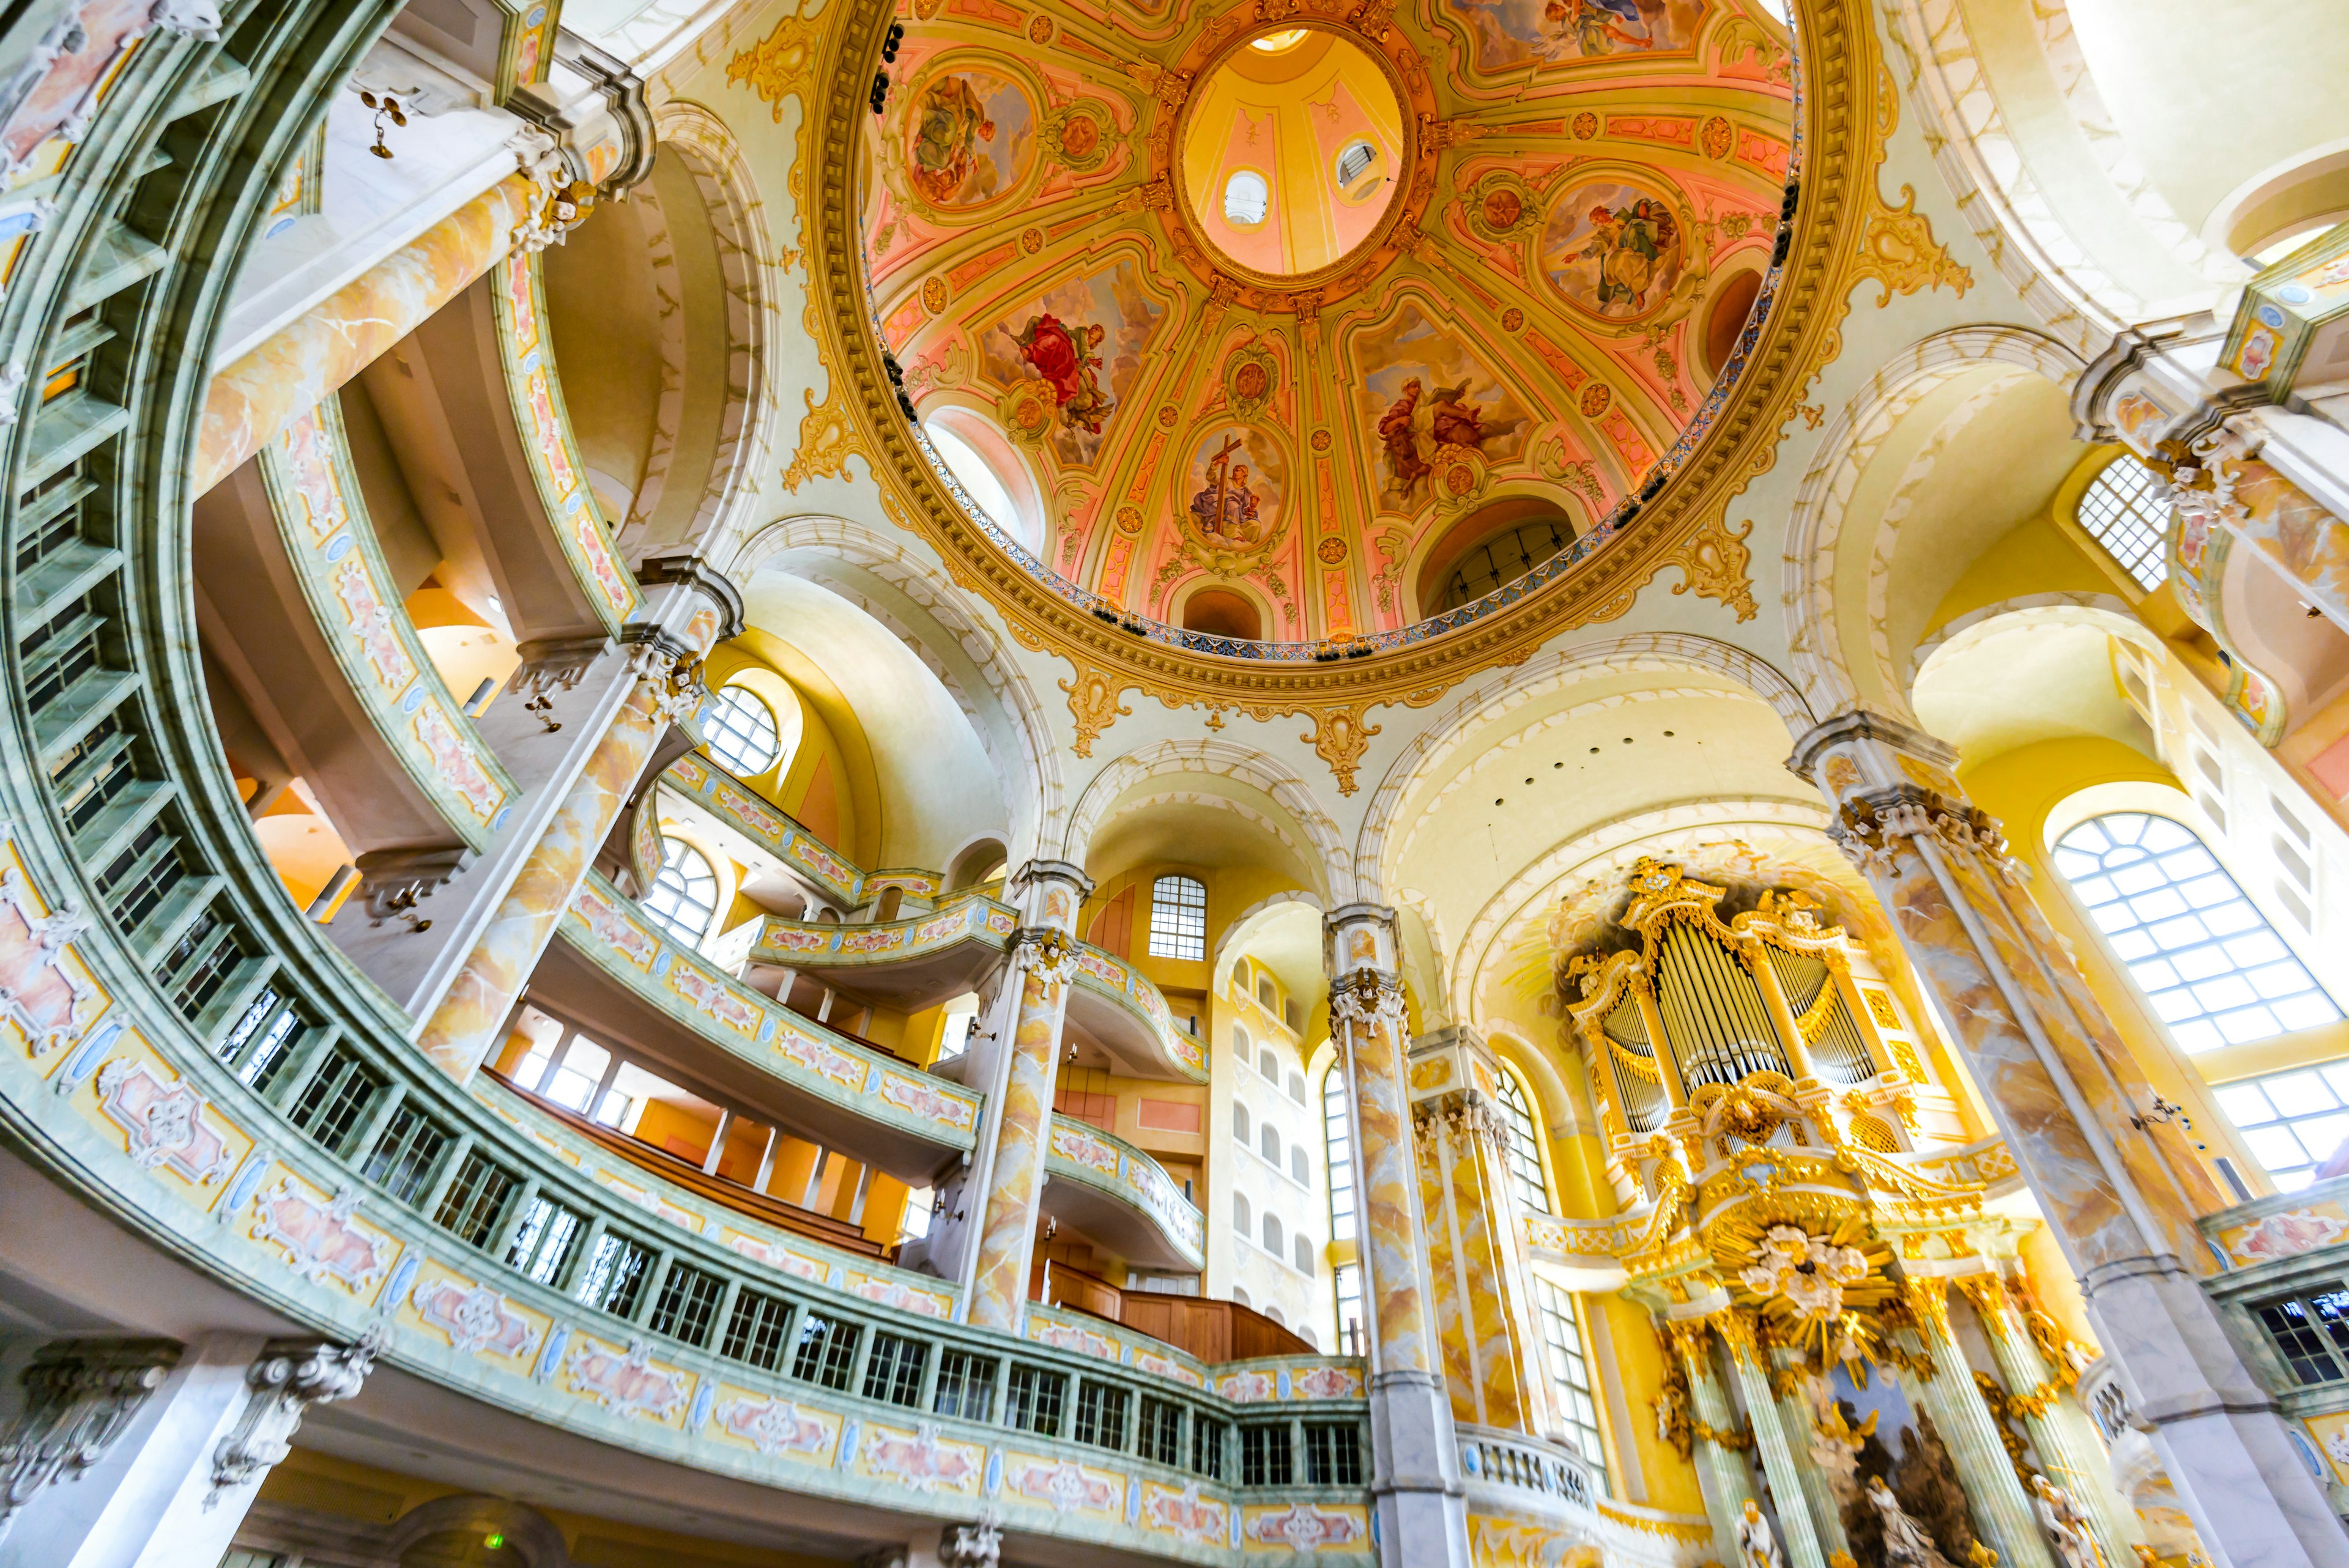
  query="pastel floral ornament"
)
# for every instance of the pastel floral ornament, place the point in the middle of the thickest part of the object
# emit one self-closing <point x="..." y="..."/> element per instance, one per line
<point x="1808" y="1272"/>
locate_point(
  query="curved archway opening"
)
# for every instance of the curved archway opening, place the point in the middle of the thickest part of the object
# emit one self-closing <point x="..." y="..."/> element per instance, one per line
<point x="1221" y="612"/>
<point x="1490" y="548"/>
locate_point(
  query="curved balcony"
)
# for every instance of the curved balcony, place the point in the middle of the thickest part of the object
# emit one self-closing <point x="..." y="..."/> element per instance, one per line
<point x="704" y="784"/>
<point x="702" y="1028"/>
<point x="1127" y="1016"/>
<point x="1104" y="1187"/>
<point x="909" y="964"/>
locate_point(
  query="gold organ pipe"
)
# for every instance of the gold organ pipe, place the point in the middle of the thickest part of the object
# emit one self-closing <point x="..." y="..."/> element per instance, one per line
<point x="1774" y="998"/>
<point x="1839" y="974"/>
<point x="1667" y="1064"/>
<point x="1703" y="988"/>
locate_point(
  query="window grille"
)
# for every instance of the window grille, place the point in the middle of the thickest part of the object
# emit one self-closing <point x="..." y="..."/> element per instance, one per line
<point x="1032" y="1402"/>
<point x="1208" y="1439"/>
<point x="2311" y="1332"/>
<point x="2126" y="510"/>
<point x="894" y="1371"/>
<point x="827" y="1352"/>
<point x="542" y="1244"/>
<point x="476" y="1200"/>
<point x="687" y="1304"/>
<point x="1338" y="1142"/>
<point x="1355" y="161"/>
<point x="1265" y="1458"/>
<point x="741" y="732"/>
<point x="1525" y="1145"/>
<point x="405" y="1152"/>
<point x="614" y="1279"/>
<point x="755" y="1333"/>
<point x="684" y="894"/>
<point x="1569" y="1371"/>
<point x="1333" y="1453"/>
<point x="336" y="1098"/>
<point x="2291" y="1121"/>
<point x="2207" y="960"/>
<point x="1179" y="918"/>
<point x="1101" y="1414"/>
<point x="965" y="1387"/>
<point x="1161" y="1432"/>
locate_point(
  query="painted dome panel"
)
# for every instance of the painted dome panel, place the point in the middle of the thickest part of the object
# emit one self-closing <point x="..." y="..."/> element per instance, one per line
<point x="1521" y="300"/>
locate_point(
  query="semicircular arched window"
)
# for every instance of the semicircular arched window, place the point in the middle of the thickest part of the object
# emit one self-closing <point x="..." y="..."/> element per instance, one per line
<point x="1502" y="559"/>
<point x="1525" y="1144"/>
<point x="684" y="894"/>
<point x="742" y="732"/>
<point x="2209" y="965"/>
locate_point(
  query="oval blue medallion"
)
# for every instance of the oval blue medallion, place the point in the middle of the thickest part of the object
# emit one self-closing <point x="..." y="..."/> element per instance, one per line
<point x="415" y="697"/>
<point x="340" y="545"/>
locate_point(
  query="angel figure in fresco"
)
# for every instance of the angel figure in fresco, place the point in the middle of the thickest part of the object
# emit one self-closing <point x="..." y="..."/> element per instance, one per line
<point x="1598" y="26"/>
<point x="1225" y="508"/>
<point x="1398" y="435"/>
<point x="1071" y="362"/>
<point x="949" y="122"/>
<point x="1631" y="245"/>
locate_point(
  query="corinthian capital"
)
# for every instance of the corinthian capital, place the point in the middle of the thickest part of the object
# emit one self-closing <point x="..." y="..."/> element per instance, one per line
<point x="1048" y="954"/>
<point x="1366" y="997"/>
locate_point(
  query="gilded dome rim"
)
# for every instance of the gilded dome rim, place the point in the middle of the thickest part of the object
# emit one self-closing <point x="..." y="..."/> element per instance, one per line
<point x="1841" y="116"/>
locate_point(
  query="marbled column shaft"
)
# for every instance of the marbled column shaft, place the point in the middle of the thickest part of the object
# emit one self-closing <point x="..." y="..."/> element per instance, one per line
<point x="2059" y="1430"/>
<point x="2002" y="1512"/>
<point x="255" y="398"/>
<point x="1796" y="1531"/>
<point x="1721" y="1475"/>
<point x="1795" y="1419"/>
<point x="467" y="1023"/>
<point x="1492" y="1358"/>
<point x="1390" y="1221"/>
<point x="1008" y="1235"/>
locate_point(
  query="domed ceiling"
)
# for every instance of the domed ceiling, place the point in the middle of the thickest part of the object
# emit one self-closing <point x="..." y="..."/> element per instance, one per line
<point x="1295" y="329"/>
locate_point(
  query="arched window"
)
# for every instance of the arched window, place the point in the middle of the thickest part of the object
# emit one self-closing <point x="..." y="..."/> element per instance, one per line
<point x="1305" y="1257"/>
<point x="1242" y="1046"/>
<point x="1274" y="1313"/>
<point x="2207" y="960"/>
<point x="1243" y="1217"/>
<point x="1239" y="1124"/>
<point x="1239" y="977"/>
<point x="1355" y="161"/>
<point x="979" y="479"/>
<point x="2126" y="510"/>
<point x="1337" y="1153"/>
<point x="1269" y="1064"/>
<point x="1298" y="1166"/>
<point x="1297" y="1088"/>
<point x="1239" y="1296"/>
<point x="1266" y="996"/>
<point x="1179" y="918"/>
<point x="1525" y="1145"/>
<point x="1273" y="1239"/>
<point x="1267" y="1143"/>
<point x="684" y="894"/>
<point x="742" y="732"/>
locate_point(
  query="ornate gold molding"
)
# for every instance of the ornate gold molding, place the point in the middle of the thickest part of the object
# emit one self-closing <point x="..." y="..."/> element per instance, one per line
<point x="1714" y="563"/>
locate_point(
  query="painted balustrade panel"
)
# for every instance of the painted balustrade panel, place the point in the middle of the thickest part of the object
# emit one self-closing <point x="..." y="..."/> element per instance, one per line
<point x="332" y="547"/>
<point x="802" y="943"/>
<point x="602" y="925"/>
<point x="1080" y="1151"/>
<point x="545" y="430"/>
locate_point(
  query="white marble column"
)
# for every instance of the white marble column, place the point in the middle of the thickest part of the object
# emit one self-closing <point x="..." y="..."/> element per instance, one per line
<point x="1416" y="1485"/>
<point x="1722" y="1476"/>
<point x="2121" y="1197"/>
<point x="144" y="1453"/>
<point x="1796" y="1533"/>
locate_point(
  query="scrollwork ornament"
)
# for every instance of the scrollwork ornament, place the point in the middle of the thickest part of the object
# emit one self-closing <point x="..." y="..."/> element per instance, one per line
<point x="284" y="1383"/>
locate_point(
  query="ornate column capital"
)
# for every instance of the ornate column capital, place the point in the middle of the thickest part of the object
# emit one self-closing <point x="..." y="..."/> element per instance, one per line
<point x="1988" y="1294"/>
<point x="1856" y="724"/>
<point x="1927" y="1300"/>
<point x="1046" y="951"/>
<point x="290" y="1376"/>
<point x="79" y="1394"/>
<point x="1051" y="892"/>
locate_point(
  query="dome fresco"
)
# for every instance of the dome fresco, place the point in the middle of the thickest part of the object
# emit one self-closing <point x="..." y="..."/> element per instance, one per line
<point x="1293" y="309"/>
